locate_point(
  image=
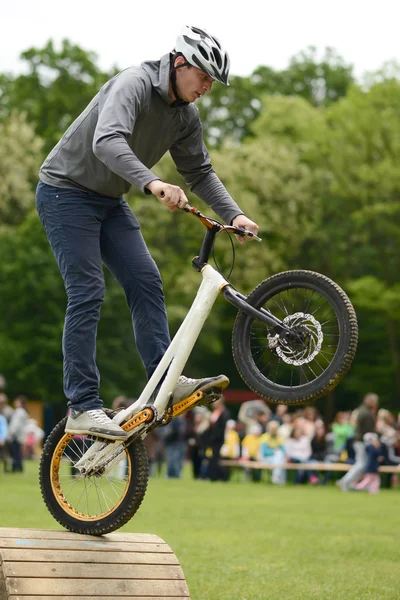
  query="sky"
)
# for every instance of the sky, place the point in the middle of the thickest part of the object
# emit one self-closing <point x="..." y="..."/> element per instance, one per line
<point x="255" y="32"/>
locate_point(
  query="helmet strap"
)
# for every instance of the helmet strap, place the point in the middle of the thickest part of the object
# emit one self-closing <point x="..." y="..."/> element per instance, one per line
<point x="178" y="101"/>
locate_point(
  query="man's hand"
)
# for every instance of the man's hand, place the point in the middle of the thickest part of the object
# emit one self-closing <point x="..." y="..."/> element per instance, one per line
<point x="245" y="223"/>
<point x="170" y="195"/>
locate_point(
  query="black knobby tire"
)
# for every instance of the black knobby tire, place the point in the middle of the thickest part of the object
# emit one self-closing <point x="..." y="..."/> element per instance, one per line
<point x="60" y="506"/>
<point x="269" y="294"/>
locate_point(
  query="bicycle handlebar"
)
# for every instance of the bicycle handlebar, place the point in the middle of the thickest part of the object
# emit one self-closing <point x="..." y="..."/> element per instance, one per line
<point x="212" y="223"/>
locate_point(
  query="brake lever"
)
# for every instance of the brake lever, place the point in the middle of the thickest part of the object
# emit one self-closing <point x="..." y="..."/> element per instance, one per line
<point x="244" y="232"/>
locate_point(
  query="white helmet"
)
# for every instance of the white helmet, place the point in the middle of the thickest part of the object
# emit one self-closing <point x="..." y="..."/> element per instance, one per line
<point x="204" y="51"/>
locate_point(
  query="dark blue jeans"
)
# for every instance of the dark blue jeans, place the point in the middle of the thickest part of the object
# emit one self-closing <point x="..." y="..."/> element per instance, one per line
<point x="85" y="229"/>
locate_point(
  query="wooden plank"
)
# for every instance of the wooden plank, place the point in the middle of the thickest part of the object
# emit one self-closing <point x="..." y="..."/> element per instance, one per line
<point x="52" y="534"/>
<point x="114" y="588"/>
<point x="94" y="571"/>
<point x="3" y="590"/>
<point x="319" y="466"/>
<point x="82" y="545"/>
<point x="105" y="597"/>
<point x="88" y="557"/>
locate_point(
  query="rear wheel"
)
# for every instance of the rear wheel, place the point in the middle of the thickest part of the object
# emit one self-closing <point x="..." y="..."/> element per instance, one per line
<point x="92" y="504"/>
<point x="314" y="359"/>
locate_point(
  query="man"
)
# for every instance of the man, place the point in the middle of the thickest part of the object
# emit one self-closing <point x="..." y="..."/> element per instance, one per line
<point x="365" y="423"/>
<point x="137" y="116"/>
<point x="17" y="431"/>
<point x="5" y="408"/>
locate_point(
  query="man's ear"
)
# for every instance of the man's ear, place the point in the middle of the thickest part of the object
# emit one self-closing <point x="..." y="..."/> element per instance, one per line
<point x="180" y="60"/>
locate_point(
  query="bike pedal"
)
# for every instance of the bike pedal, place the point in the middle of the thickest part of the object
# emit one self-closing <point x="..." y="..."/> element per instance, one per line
<point x="210" y="397"/>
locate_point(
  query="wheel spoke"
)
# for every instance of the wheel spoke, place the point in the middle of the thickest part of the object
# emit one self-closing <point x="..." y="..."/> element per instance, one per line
<point x="296" y="363"/>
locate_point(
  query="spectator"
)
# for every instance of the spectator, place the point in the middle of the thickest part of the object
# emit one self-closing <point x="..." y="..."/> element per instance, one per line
<point x="286" y="428"/>
<point x="33" y="436"/>
<point x="215" y="437"/>
<point x="152" y="443"/>
<point x="199" y="422"/>
<point x="310" y="417"/>
<point x="16" y="433"/>
<point x="319" y="452"/>
<point x="231" y="446"/>
<point x="121" y="402"/>
<point x="281" y="411"/>
<point x="385" y="424"/>
<point x="6" y="409"/>
<point x="251" y="443"/>
<point x="3" y="434"/>
<point x="298" y="450"/>
<point x="374" y="458"/>
<point x="174" y="445"/>
<point x="342" y="430"/>
<point x="251" y="449"/>
<point x="251" y="412"/>
<point x="365" y="424"/>
<point x="272" y="451"/>
<point x="393" y="448"/>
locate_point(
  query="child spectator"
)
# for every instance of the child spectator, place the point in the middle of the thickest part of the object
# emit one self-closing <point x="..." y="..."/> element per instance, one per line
<point x="287" y="425"/>
<point x="342" y="430"/>
<point x="272" y="451"/>
<point x="251" y="448"/>
<point x="231" y="446"/>
<point x="298" y="450"/>
<point x="371" y="480"/>
<point x="33" y="437"/>
<point x="319" y="452"/>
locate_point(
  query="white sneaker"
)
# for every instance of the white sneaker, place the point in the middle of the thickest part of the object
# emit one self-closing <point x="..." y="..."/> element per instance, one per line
<point x="94" y="422"/>
<point x="186" y="386"/>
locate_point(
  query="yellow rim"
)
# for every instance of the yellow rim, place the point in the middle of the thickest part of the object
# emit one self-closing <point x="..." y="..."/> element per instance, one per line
<point x="58" y="491"/>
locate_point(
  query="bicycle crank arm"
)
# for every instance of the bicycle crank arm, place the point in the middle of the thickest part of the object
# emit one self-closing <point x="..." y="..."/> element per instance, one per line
<point x="197" y="399"/>
<point x="240" y="301"/>
<point x="102" y="449"/>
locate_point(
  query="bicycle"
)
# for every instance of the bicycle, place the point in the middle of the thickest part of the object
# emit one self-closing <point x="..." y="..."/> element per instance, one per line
<point x="294" y="338"/>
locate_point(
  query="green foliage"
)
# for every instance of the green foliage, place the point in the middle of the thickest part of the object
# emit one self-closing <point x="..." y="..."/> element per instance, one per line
<point x="20" y="156"/>
<point x="228" y="113"/>
<point x="58" y="86"/>
<point x="309" y="155"/>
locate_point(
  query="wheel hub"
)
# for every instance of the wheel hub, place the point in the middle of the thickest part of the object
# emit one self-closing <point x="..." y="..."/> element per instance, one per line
<point x="302" y="344"/>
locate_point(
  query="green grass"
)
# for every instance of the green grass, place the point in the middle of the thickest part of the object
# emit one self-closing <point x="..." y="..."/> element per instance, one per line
<point x="247" y="541"/>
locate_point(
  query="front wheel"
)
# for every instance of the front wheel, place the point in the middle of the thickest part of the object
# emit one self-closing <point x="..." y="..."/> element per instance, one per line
<point x="320" y="349"/>
<point x="93" y="504"/>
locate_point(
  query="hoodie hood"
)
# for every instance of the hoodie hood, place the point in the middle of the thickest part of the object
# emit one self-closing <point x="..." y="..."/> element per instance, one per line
<point x="159" y="73"/>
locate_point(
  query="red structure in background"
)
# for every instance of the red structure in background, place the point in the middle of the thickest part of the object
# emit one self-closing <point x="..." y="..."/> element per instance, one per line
<point x="239" y="396"/>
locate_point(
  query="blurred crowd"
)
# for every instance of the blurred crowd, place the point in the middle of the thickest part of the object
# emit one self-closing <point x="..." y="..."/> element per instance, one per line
<point x="209" y="439"/>
<point x="20" y="435"/>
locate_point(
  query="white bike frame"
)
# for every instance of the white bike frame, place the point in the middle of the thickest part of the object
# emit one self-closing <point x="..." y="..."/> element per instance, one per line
<point x="171" y="366"/>
<point x="181" y="346"/>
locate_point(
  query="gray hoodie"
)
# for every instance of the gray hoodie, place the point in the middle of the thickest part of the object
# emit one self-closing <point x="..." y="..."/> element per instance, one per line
<point x="123" y="133"/>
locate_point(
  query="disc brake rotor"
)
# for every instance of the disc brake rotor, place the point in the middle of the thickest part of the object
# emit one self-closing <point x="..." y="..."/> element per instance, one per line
<point x="306" y="347"/>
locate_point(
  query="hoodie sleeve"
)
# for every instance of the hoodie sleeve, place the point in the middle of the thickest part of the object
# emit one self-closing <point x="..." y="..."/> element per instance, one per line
<point x="193" y="162"/>
<point x="120" y="103"/>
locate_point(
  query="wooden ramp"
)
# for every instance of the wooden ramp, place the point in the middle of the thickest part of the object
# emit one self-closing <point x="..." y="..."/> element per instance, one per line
<point x="58" y="565"/>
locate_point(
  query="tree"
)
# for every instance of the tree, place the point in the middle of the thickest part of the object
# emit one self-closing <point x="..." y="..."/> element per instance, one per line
<point x="229" y="113"/>
<point x="58" y="86"/>
<point x="20" y="157"/>
<point x="358" y="241"/>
